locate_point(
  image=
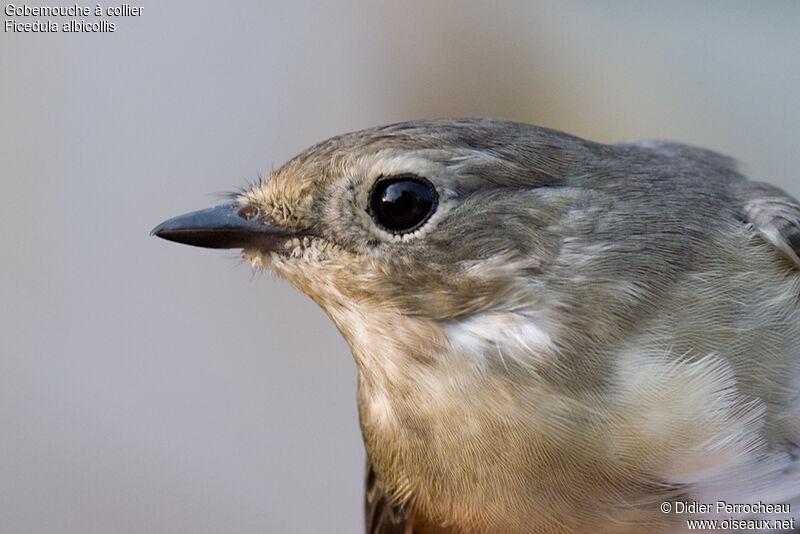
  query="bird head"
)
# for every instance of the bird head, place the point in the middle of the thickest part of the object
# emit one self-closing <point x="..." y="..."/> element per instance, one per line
<point x="432" y="222"/>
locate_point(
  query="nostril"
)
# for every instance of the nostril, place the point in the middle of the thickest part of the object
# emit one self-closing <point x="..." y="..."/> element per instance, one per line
<point x="248" y="213"/>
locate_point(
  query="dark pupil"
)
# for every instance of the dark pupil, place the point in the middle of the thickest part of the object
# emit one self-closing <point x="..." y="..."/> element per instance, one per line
<point x="402" y="204"/>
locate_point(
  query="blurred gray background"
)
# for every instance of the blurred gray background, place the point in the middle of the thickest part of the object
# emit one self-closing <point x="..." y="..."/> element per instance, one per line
<point x="150" y="387"/>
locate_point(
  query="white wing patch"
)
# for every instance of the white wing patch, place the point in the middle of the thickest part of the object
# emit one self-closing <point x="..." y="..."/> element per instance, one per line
<point x="776" y="216"/>
<point x="692" y="428"/>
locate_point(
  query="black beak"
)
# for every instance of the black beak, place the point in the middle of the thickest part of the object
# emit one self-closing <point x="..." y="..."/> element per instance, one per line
<point x="226" y="226"/>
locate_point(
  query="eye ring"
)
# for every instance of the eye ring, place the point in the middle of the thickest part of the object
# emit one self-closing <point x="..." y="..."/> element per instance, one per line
<point x="402" y="203"/>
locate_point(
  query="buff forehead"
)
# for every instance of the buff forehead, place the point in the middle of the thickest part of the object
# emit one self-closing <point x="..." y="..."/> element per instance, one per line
<point x="286" y="196"/>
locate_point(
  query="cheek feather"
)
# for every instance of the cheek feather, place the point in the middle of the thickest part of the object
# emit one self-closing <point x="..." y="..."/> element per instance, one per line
<point x="507" y="335"/>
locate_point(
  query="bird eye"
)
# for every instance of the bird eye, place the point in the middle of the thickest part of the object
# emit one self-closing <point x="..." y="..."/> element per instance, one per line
<point x="402" y="203"/>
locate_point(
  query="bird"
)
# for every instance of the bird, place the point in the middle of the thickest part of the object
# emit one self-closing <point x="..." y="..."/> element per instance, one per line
<point x="551" y="334"/>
